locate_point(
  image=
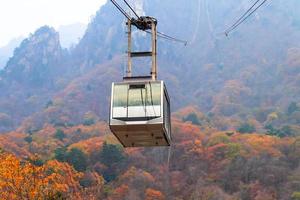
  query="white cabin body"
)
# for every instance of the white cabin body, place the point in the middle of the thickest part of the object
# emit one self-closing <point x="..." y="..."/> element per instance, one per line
<point x="140" y="113"/>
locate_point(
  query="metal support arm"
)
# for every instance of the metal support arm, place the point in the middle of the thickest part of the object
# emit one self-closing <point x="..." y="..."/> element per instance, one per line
<point x="152" y="53"/>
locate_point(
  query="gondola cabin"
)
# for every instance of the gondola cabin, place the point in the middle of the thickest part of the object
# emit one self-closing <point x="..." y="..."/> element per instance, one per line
<point x="140" y="112"/>
<point x="140" y="105"/>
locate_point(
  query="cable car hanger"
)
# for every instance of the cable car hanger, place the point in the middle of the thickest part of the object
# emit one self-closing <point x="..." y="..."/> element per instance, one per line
<point x="143" y="23"/>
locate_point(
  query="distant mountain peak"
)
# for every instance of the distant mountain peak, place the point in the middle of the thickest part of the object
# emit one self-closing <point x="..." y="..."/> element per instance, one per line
<point x="44" y="30"/>
<point x="46" y="35"/>
<point x="36" y="57"/>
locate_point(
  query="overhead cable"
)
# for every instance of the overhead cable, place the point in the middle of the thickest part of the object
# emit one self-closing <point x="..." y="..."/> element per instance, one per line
<point x="241" y="18"/>
<point x="121" y="9"/>
<point x="167" y="37"/>
<point x="245" y="16"/>
<point x="131" y="9"/>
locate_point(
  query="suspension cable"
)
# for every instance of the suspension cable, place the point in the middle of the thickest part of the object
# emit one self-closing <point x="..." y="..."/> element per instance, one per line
<point x="121" y="10"/>
<point x="172" y="38"/>
<point x="246" y="16"/>
<point x="131" y="9"/>
<point x="241" y="18"/>
<point x="167" y="37"/>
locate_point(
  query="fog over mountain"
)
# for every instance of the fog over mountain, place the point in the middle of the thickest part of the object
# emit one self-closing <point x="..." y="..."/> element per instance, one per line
<point x="255" y="58"/>
<point x="7" y="51"/>
<point x="71" y="34"/>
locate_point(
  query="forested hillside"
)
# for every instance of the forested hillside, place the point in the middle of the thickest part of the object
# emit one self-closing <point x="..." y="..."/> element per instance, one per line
<point x="235" y="108"/>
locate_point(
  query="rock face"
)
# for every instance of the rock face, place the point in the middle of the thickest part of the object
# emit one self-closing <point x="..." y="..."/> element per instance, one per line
<point x="102" y="40"/>
<point x="38" y="59"/>
<point x="31" y="76"/>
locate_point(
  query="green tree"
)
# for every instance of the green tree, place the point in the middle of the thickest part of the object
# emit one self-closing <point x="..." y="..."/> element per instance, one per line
<point x="192" y="117"/>
<point x="88" y="122"/>
<point x="36" y="161"/>
<point x="78" y="159"/>
<point x="113" y="157"/>
<point x="285" y="131"/>
<point x="246" y="128"/>
<point x="28" y="139"/>
<point x="111" y="154"/>
<point x="61" y="154"/>
<point x="59" y="134"/>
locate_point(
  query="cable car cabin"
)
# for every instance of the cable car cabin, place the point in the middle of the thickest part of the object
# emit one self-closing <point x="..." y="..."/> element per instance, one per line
<point x="140" y="113"/>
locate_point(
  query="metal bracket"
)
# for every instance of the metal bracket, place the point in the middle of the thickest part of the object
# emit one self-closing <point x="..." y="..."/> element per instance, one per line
<point x="152" y="53"/>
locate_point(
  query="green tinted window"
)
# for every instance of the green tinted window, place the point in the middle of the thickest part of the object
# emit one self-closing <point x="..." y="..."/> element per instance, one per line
<point x="120" y="96"/>
<point x="153" y="94"/>
<point x="148" y="95"/>
<point x="136" y="97"/>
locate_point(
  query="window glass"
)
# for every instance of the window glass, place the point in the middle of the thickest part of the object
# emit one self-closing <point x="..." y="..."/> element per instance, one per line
<point x="137" y="97"/>
<point x="120" y="96"/>
<point x="153" y="94"/>
<point x="148" y="95"/>
<point x="135" y="101"/>
<point x="167" y="116"/>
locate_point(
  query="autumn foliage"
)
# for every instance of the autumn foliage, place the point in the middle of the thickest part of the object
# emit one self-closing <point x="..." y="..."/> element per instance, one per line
<point x="23" y="180"/>
<point x="204" y="163"/>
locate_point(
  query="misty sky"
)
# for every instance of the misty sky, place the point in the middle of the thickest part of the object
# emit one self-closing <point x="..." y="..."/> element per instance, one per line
<point x="21" y="17"/>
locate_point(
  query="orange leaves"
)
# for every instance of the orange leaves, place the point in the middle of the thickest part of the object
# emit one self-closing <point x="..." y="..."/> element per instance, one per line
<point x="247" y="145"/>
<point x="186" y="131"/>
<point x="134" y="184"/>
<point x="218" y="138"/>
<point x="132" y="173"/>
<point x="63" y="174"/>
<point x="90" y="145"/>
<point x="152" y="194"/>
<point x="20" y="180"/>
<point x="256" y="144"/>
<point x="15" y="178"/>
<point x="14" y="142"/>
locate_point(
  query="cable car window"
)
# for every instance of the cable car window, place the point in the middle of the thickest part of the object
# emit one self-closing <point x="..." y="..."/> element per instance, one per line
<point x="153" y="99"/>
<point x="153" y="94"/>
<point x="120" y="96"/>
<point x="136" y="97"/>
<point x="136" y="103"/>
<point x="120" y="101"/>
<point x="137" y="100"/>
<point x="167" y="122"/>
<point x="144" y="100"/>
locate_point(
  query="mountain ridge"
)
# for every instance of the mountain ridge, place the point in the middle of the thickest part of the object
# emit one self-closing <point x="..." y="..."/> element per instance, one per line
<point x="223" y="63"/>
